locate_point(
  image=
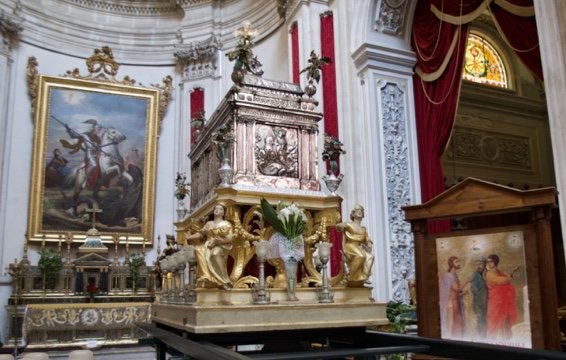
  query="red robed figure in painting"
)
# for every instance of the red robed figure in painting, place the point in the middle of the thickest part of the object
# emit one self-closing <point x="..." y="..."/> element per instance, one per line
<point x="501" y="307"/>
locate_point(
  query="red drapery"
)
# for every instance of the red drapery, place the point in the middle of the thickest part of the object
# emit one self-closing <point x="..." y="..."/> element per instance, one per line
<point x="196" y="99"/>
<point x="328" y="75"/>
<point x="330" y="114"/>
<point x="440" y="29"/>
<point x="295" y="52"/>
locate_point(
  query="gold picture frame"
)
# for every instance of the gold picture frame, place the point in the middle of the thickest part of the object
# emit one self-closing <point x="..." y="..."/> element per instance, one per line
<point x="94" y="146"/>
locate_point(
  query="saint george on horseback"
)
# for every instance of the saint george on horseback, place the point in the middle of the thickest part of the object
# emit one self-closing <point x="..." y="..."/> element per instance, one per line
<point x="89" y="142"/>
<point x="102" y="159"/>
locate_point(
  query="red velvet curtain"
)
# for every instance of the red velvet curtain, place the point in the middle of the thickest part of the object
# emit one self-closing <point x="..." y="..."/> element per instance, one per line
<point x="328" y="75"/>
<point x="330" y="115"/>
<point x="435" y="101"/>
<point x="440" y="31"/>
<point x="196" y="99"/>
<point x="521" y="33"/>
<point x="295" y="52"/>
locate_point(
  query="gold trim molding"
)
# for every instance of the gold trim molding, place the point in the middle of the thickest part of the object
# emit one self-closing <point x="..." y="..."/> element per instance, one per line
<point x="102" y="67"/>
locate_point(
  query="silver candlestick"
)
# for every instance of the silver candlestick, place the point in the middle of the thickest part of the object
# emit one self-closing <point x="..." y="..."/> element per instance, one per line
<point x="191" y="257"/>
<point x="325" y="296"/>
<point x="261" y="252"/>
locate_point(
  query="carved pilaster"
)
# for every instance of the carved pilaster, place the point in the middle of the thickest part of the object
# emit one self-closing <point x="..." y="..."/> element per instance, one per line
<point x="198" y="58"/>
<point x="398" y="189"/>
<point x="390" y="17"/>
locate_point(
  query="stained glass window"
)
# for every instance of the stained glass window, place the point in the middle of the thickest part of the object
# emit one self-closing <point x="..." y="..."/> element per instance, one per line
<point x="483" y="64"/>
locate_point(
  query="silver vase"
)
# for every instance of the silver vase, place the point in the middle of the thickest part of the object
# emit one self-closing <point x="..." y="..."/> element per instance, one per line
<point x="181" y="209"/>
<point x="226" y="173"/>
<point x="333" y="182"/>
<point x="291" y="277"/>
<point x="310" y="89"/>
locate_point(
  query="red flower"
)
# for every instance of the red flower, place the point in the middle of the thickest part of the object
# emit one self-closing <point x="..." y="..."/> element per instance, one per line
<point x="91" y="288"/>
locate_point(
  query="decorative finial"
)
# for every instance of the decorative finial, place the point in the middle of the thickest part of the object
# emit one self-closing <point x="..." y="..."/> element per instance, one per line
<point x="243" y="55"/>
<point x="313" y="71"/>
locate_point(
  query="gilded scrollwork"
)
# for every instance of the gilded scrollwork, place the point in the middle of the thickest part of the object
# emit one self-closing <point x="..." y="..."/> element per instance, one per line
<point x="242" y="252"/>
<point x="82" y="316"/>
<point x="32" y="77"/>
<point x="166" y="95"/>
<point x="102" y="67"/>
<point x="314" y="275"/>
<point x="249" y="226"/>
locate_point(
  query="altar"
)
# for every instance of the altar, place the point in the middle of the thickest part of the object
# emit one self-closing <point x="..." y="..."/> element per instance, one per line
<point x="98" y="324"/>
<point x="255" y="244"/>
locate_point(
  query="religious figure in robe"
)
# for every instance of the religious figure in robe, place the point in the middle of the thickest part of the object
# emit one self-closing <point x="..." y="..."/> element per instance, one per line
<point x="450" y="299"/>
<point x="501" y="307"/>
<point x="357" y="248"/>
<point x="212" y="246"/>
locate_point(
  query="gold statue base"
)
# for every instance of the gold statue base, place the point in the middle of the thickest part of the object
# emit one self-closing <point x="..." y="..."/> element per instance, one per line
<point x="233" y="311"/>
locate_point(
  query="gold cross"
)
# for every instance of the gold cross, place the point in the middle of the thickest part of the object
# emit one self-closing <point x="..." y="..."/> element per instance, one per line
<point x="93" y="211"/>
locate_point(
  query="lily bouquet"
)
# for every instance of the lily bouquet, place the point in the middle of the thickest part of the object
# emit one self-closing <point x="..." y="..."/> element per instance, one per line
<point x="289" y="223"/>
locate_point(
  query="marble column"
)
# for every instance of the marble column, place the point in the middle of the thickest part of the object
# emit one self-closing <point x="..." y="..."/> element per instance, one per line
<point x="551" y="24"/>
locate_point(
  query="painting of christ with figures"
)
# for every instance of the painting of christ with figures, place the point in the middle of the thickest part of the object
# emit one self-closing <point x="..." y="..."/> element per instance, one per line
<point x="93" y="155"/>
<point x="482" y="284"/>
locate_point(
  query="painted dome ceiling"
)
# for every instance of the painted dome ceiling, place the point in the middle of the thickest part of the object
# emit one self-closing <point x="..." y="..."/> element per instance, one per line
<point x="140" y="30"/>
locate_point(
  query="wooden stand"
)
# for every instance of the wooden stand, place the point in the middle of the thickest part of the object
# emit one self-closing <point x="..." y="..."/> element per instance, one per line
<point x="482" y="208"/>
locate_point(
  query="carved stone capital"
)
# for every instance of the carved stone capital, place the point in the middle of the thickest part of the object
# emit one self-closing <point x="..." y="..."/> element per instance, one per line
<point x="198" y="57"/>
<point x="390" y="17"/>
<point x="10" y="26"/>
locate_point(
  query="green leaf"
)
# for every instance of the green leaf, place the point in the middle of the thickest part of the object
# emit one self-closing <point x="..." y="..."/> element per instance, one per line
<point x="270" y="216"/>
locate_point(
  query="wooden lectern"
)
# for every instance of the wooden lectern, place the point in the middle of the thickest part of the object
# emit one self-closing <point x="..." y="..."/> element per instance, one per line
<point x="491" y="219"/>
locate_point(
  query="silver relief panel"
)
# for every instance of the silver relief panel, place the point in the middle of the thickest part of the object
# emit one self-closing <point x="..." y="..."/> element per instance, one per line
<point x="398" y="187"/>
<point x="275" y="151"/>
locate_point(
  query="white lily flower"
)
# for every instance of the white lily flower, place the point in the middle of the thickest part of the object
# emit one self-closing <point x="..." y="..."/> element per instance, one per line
<point x="284" y="215"/>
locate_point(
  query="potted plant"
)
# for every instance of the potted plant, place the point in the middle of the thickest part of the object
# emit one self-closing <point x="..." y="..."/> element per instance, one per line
<point x="399" y="315"/>
<point x="136" y="263"/>
<point x="182" y="186"/>
<point x="333" y="148"/>
<point x="50" y="264"/>
<point x="223" y="138"/>
<point x="313" y="71"/>
<point x="182" y="189"/>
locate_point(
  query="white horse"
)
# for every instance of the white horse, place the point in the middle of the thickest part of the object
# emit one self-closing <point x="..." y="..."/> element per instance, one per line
<point x="102" y="164"/>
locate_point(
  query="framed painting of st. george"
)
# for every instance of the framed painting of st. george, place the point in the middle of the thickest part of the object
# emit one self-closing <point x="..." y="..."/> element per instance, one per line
<point x="94" y="148"/>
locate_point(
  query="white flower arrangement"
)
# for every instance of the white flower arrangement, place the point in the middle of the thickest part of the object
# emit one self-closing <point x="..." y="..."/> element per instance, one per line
<point x="288" y="220"/>
<point x="289" y="223"/>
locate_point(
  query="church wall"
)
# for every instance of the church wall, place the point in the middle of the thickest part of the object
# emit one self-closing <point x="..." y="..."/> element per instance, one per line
<point x="18" y="155"/>
<point x="552" y="32"/>
<point x="56" y="55"/>
<point x="378" y="120"/>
